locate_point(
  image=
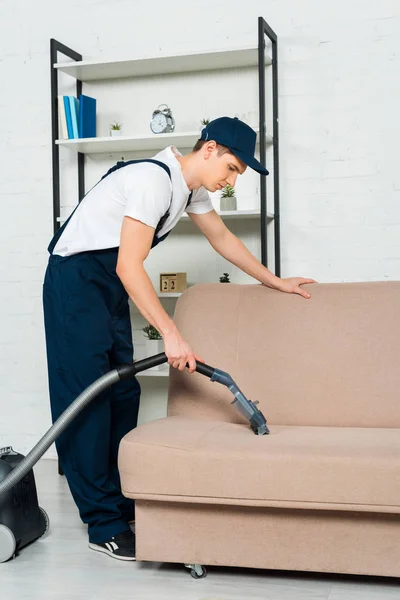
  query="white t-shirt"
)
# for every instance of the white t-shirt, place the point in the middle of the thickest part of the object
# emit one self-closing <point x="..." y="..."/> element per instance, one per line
<point x="142" y="191"/>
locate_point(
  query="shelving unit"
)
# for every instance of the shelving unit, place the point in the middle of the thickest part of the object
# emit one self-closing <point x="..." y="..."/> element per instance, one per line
<point x="86" y="71"/>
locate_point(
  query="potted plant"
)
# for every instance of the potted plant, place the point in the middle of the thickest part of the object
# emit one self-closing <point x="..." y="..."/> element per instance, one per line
<point x="153" y="344"/>
<point x="224" y="278"/>
<point x="228" y="198"/>
<point x="115" y="129"/>
<point x="204" y="123"/>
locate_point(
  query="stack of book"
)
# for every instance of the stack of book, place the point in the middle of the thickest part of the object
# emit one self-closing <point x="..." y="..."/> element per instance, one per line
<point x="77" y="116"/>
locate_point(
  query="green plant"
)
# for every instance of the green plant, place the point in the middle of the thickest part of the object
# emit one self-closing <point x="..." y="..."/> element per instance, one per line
<point x="152" y="333"/>
<point x="205" y="122"/>
<point x="224" y="278"/>
<point x="116" y="126"/>
<point x="228" y="191"/>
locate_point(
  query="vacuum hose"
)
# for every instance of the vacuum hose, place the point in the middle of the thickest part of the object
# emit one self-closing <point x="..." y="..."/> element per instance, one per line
<point x="246" y="407"/>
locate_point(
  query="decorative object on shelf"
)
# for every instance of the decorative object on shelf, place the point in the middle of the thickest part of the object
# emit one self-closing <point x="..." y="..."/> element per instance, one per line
<point x="115" y="129"/>
<point x="224" y="278"/>
<point x="153" y="344"/>
<point x="87" y="116"/>
<point x="69" y="111"/>
<point x="152" y="333"/>
<point x="228" y="198"/>
<point x="162" y="121"/>
<point x="173" y="282"/>
<point x="204" y="123"/>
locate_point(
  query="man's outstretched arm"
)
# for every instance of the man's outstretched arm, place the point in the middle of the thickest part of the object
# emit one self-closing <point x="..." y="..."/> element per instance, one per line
<point x="230" y="247"/>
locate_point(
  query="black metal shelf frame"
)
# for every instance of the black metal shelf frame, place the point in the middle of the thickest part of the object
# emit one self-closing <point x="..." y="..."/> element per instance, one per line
<point x="56" y="47"/>
<point x="264" y="30"/>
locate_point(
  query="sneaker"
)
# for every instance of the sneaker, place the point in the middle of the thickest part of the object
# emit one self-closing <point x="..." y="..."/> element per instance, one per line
<point x="121" y="546"/>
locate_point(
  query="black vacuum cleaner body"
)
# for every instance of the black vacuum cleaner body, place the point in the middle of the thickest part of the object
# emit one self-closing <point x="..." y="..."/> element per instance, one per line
<point x="22" y="521"/>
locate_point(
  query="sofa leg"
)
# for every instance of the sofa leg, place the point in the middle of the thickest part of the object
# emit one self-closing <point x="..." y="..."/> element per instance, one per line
<point x="197" y="571"/>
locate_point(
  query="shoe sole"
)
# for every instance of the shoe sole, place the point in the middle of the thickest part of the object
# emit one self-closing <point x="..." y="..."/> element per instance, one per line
<point x="105" y="551"/>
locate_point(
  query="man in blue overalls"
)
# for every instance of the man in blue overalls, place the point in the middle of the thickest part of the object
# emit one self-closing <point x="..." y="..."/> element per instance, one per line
<point x="95" y="265"/>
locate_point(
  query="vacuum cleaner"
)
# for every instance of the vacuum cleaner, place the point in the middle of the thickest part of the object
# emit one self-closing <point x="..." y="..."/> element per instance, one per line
<point x="22" y="520"/>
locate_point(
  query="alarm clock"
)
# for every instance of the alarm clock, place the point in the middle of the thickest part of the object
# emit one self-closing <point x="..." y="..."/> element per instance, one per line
<point x="162" y="121"/>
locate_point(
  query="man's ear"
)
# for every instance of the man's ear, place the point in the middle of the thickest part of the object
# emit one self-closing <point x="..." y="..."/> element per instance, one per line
<point x="208" y="149"/>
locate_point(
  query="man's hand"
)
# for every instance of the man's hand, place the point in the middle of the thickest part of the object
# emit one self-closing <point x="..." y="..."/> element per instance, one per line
<point x="178" y="352"/>
<point x="291" y="285"/>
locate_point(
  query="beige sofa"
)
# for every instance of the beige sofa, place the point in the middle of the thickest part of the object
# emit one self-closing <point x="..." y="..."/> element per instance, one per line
<point x="321" y="492"/>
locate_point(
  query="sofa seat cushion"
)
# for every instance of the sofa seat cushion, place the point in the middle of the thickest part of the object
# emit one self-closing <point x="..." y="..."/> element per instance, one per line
<point x="181" y="459"/>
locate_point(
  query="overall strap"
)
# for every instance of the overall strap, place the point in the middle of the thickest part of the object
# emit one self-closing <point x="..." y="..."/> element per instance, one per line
<point x="59" y="233"/>
<point x="120" y="164"/>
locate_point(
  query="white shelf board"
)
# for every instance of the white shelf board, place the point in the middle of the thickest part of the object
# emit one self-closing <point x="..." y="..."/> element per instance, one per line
<point x="169" y="295"/>
<point x="236" y="214"/>
<point x="136" y="143"/>
<point x="162" y="65"/>
<point x="225" y="214"/>
<point x="150" y="373"/>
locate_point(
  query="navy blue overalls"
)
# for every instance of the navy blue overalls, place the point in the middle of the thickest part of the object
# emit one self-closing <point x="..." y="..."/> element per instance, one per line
<point x="88" y="333"/>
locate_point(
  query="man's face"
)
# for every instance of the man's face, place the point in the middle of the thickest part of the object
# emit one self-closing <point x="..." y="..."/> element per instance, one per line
<point x="221" y="170"/>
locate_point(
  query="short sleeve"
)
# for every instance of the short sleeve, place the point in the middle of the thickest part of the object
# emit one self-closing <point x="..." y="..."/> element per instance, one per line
<point x="148" y="194"/>
<point x="201" y="202"/>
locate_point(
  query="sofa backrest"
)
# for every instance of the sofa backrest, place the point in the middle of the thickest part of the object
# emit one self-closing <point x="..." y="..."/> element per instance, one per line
<point x="331" y="360"/>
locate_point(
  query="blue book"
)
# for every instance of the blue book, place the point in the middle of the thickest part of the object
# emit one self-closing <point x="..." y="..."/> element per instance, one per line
<point x="68" y="117"/>
<point x="74" y="106"/>
<point x="87" y="117"/>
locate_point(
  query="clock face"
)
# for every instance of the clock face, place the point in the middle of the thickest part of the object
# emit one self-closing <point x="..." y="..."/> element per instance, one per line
<point x="158" y="123"/>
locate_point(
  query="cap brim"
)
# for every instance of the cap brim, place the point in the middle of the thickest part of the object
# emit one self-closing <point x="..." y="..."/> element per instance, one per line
<point x="250" y="161"/>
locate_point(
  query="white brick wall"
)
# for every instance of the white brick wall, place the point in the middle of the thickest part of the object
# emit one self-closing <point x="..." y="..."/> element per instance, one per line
<point x="339" y="126"/>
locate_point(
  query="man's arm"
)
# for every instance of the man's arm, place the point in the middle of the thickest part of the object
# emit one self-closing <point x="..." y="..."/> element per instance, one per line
<point x="230" y="247"/>
<point x="135" y="245"/>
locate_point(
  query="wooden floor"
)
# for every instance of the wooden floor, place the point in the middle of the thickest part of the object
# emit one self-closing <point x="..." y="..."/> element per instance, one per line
<point x="61" y="566"/>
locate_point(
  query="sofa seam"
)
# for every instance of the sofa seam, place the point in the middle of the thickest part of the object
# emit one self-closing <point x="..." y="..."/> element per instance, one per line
<point x="294" y="502"/>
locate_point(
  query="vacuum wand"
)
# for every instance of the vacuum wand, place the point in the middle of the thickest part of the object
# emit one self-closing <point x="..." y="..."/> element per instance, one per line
<point x="246" y="407"/>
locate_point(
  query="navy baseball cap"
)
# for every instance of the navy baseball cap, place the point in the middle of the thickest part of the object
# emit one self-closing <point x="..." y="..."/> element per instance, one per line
<point x="238" y="137"/>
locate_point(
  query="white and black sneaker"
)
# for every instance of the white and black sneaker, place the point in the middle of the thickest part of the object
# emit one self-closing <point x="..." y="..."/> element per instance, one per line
<point x="121" y="546"/>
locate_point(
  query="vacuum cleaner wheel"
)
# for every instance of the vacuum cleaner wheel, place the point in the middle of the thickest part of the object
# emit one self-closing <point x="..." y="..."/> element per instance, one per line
<point x="46" y="522"/>
<point x="7" y="543"/>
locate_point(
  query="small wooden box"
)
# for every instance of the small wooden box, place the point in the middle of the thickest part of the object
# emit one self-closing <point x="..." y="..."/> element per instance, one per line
<point x="173" y="282"/>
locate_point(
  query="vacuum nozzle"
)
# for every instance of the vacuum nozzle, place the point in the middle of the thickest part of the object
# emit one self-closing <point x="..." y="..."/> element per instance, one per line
<point x="246" y="407"/>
